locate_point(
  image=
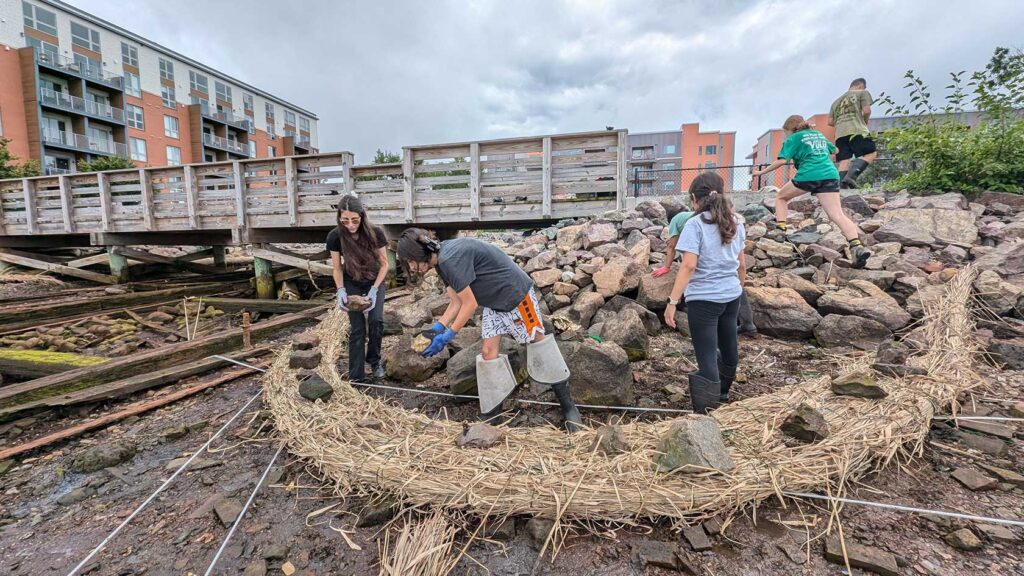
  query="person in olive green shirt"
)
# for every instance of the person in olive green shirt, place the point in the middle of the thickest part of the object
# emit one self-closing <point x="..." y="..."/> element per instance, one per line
<point x="849" y="114"/>
<point x="811" y="153"/>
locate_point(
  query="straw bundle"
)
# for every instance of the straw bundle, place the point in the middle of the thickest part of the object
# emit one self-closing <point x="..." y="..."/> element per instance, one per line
<point x="421" y="548"/>
<point x="545" y="472"/>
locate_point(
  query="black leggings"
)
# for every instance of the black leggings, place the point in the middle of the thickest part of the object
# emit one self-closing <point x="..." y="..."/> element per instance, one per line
<point x="713" y="328"/>
<point x="363" y="347"/>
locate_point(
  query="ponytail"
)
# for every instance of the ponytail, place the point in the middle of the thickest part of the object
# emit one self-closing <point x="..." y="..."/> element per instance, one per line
<point x="708" y="190"/>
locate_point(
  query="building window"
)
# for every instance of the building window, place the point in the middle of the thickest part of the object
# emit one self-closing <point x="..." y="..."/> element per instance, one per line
<point x="47" y="52"/>
<point x="138" y="149"/>
<point x="167" y="95"/>
<point x="88" y="65"/>
<point x="668" y="166"/>
<point x="304" y="124"/>
<point x="668" y="184"/>
<point x="247" y="103"/>
<point x="201" y="101"/>
<point x="670" y="148"/>
<point x="270" y="110"/>
<point x="700" y="150"/>
<point x="198" y="82"/>
<point x="252" y="149"/>
<point x="711" y="149"/>
<point x="166" y="70"/>
<point x="223" y="92"/>
<point x="39" y="19"/>
<point x="709" y="164"/>
<point x="132" y="85"/>
<point x="129" y="54"/>
<point x="271" y="152"/>
<point x="270" y="131"/>
<point x="173" y="156"/>
<point x="135" y="116"/>
<point x="85" y="37"/>
<point x="171" y="126"/>
<point x="289" y="118"/>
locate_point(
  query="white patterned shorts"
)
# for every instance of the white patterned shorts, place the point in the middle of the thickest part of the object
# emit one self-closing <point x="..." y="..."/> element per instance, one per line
<point x="522" y="323"/>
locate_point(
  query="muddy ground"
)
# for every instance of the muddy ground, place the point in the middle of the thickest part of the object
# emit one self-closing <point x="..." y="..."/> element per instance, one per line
<point x="44" y="530"/>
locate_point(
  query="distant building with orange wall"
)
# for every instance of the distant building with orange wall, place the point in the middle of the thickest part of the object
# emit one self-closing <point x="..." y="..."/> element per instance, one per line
<point x="670" y="160"/>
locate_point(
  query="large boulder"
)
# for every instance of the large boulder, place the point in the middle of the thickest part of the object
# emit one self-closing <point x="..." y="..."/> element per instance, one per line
<point x="864" y="299"/>
<point x="948" y="201"/>
<point x="808" y="290"/>
<point x="598" y="233"/>
<point x="639" y="247"/>
<point x="753" y="213"/>
<point x="693" y="444"/>
<point x="616" y="304"/>
<point x="904" y="232"/>
<point x="600" y="372"/>
<point x="858" y="205"/>
<point x="422" y="311"/>
<point x="1008" y="352"/>
<point x="653" y="210"/>
<point x="836" y="330"/>
<point x="628" y="331"/>
<point x="618" y="276"/>
<point x="673" y="205"/>
<point x="544" y="259"/>
<point x="570" y="238"/>
<point x="1007" y="259"/>
<point x="881" y="278"/>
<point x="461" y="368"/>
<point x="582" y="310"/>
<point x="545" y="278"/>
<point x="944" y="225"/>
<point x="782" y="312"/>
<point x="998" y="295"/>
<point x="404" y="365"/>
<point x="925" y="299"/>
<point x="654" y="292"/>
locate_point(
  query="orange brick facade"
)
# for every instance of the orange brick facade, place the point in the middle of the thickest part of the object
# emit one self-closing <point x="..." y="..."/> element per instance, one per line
<point x="13" y="126"/>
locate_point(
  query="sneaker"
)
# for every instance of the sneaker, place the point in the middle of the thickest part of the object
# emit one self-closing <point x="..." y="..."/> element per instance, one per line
<point x="776" y="235"/>
<point x="859" y="256"/>
<point x="378" y="372"/>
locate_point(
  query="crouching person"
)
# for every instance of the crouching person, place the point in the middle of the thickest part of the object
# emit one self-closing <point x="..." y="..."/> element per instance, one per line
<point x="479" y="274"/>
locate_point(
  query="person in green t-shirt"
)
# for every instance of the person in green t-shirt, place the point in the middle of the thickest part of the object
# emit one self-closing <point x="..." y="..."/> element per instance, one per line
<point x="849" y="114"/>
<point x="811" y="153"/>
<point x="675" y="228"/>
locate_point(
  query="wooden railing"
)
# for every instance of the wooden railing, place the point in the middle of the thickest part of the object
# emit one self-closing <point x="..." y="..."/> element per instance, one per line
<point x="518" y="179"/>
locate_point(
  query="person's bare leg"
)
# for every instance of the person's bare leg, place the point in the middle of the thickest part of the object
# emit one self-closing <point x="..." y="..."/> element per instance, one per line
<point x="491" y="347"/>
<point x="788" y="192"/>
<point x="831" y="203"/>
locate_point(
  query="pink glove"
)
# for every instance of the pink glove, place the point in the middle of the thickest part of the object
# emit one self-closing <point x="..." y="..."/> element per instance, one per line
<point x="661" y="271"/>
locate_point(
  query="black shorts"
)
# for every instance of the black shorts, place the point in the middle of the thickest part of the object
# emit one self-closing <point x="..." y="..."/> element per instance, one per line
<point x="817" y="186"/>
<point x="857" y="145"/>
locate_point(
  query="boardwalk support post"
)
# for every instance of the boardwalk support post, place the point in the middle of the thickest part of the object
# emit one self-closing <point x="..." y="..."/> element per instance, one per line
<point x="264" y="278"/>
<point x="220" y="256"/>
<point x="118" y="265"/>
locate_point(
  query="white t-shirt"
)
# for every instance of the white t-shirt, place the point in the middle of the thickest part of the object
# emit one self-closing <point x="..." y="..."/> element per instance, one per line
<point x="716" y="278"/>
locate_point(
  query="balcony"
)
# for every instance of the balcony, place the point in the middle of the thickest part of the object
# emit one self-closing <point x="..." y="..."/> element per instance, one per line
<point x="62" y="101"/>
<point x="83" y="143"/>
<point x="642" y="155"/>
<point x="225" y="117"/>
<point x="54" y="171"/>
<point x="298" y="140"/>
<point x="232" y="146"/>
<point x="68" y="66"/>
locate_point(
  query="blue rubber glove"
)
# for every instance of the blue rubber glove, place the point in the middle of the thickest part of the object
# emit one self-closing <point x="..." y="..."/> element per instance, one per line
<point x="342" y="299"/>
<point x="372" y="295"/>
<point x="439" y="342"/>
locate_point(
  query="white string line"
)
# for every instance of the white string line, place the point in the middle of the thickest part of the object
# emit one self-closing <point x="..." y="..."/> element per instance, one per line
<point x="905" y="508"/>
<point x="994" y="418"/>
<point x="238" y="520"/>
<point x="167" y="482"/>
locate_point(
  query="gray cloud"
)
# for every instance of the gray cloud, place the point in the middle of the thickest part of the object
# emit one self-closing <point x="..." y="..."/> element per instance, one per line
<point x="387" y="74"/>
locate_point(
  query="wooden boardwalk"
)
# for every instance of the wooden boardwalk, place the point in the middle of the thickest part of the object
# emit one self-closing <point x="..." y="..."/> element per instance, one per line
<point x="495" y="183"/>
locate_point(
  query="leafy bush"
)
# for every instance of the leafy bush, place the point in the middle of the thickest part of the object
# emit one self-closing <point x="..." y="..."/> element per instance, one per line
<point x="11" y="169"/>
<point x="106" y="163"/>
<point x="940" y="151"/>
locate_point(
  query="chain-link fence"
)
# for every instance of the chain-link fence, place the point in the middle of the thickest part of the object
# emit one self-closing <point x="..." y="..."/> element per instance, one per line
<point x="740" y="178"/>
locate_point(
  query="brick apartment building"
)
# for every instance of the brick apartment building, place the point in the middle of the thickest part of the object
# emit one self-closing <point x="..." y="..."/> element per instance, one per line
<point x="684" y="153"/>
<point x="75" y="87"/>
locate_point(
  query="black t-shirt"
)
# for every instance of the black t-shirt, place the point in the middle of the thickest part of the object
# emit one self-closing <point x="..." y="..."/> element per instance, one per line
<point x="380" y="241"/>
<point x="497" y="282"/>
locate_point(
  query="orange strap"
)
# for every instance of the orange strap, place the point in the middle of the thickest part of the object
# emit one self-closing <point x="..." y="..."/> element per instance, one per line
<point x="530" y="318"/>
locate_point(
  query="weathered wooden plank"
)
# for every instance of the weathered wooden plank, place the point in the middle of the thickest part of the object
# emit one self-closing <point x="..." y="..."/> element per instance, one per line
<point x="66" y="204"/>
<point x="266" y="306"/>
<point x="191" y="196"/>
<point x="100" y="258"/>
<point x="546" y="179"/>
<point x="346" y="172"/>
<point x="106" y="209"/>
<point x="28" y="188"/>
<point x="13" y="395"/>
<point x="146" y="186"/>
<point x="27" y="260"/>
<point x="39" y="363"/>
<point x="409" y="175"/>
<point x="289" y="260"/>
<point x="292" y="190"/>
<point x="474" y="180"/>
<point x="622" y="175"/>
<point x="143" y="256"/>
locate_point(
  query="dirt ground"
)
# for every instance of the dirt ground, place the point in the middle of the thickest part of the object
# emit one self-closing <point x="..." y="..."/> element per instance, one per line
<point x="179" y="532"/>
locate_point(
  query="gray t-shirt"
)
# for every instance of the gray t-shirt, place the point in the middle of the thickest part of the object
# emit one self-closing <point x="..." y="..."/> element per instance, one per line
<point x="716" y="278"/>
<point x="496" y="281"/>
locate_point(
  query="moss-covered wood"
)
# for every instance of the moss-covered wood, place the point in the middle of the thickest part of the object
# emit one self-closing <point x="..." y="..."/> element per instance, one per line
<point x="39" y="363"/>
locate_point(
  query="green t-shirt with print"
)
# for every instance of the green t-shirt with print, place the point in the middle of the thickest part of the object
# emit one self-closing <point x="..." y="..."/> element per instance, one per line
<point x="675" y="226"/>
<point x="848" y="113"/>
<point x="811" y="153"/>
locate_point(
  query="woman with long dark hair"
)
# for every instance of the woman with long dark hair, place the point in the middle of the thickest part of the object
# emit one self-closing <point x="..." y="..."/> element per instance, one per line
<point x="711" y="277"/>
<point x="360" y="262"/>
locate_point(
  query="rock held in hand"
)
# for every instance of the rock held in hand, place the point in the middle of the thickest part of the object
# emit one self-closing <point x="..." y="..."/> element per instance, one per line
<point x="420" y="343"/>
<point x="358" y="303"/>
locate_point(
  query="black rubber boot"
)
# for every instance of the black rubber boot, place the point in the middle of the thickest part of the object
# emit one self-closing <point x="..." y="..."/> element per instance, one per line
<point x="726" y="375"/>
<point x="842" y="176"/>
<point x="494" y="417"/>
<point x="378" y="372"/>
<point x="570" y="414"/>
<point x="704" y="393"/>
<point x="857" y="167"/>
<point x="859" y="256"/>
<point x="746" y="316"/>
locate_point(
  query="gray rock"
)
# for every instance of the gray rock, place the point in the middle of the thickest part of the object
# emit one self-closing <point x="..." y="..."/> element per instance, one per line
<point x="374" y="511"/>
<point x="694" y="444"/>
<point x="809" y="291"/>
<point x="754" y="213"/>
<point x="653" y="292"/>
<point x="943" y="225"/>
<point x="315" y="388"/>
<point x="837" y="330"/>
<point x="479" y="435"/>
<point x="653" y="210"/>
<point x="305" y="341"/>
<point x="974" y="480"/>
<point x="616" y="304"/>
<point x="882" y="278"/>
<point x="926" y="298"/>
<point x="404" y="365"/>
<point x="696" y="538"/>
<point x="782" y="312"/>
<point x="858" y="205"/>
<point x="600" y="372"/>
<point x="583" y="308"/>
<point x="304" y="359"/>
<point x="864" y="299"/>
<point x="618" y="276"/>
<point x="861" y="556"/>
<point x="257" y="567"/>
<point x="903" y="231"/>
<point x="461" y="368"/>
<point x="538" y="530"/>
<point x="102" y="456"/>
<point x="76" y="495"/>
<point x="964" y="539"/>
<point x="275" y="552"/>
<point x="1007" y="259"/>
<point x="610" y="440"/>
<point x="598" y="233"/>
<point x="227" y="511"/>
<point x="628" y="331"/>
<point x="541" y="261"/>
<point x="998" y="295"/>
<point x="806" y="424"/>
<point x="859" y="384"/>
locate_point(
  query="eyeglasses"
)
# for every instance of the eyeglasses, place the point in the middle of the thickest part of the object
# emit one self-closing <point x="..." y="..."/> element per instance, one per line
<point x="355" y="220"/>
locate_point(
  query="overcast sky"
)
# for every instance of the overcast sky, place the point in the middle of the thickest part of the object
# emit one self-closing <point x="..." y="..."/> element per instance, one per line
<point x="386" y="74"/>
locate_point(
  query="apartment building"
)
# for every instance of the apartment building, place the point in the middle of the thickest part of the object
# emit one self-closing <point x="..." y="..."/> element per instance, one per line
<point x="76" y="87"/>
<point x="664" y="163"/>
